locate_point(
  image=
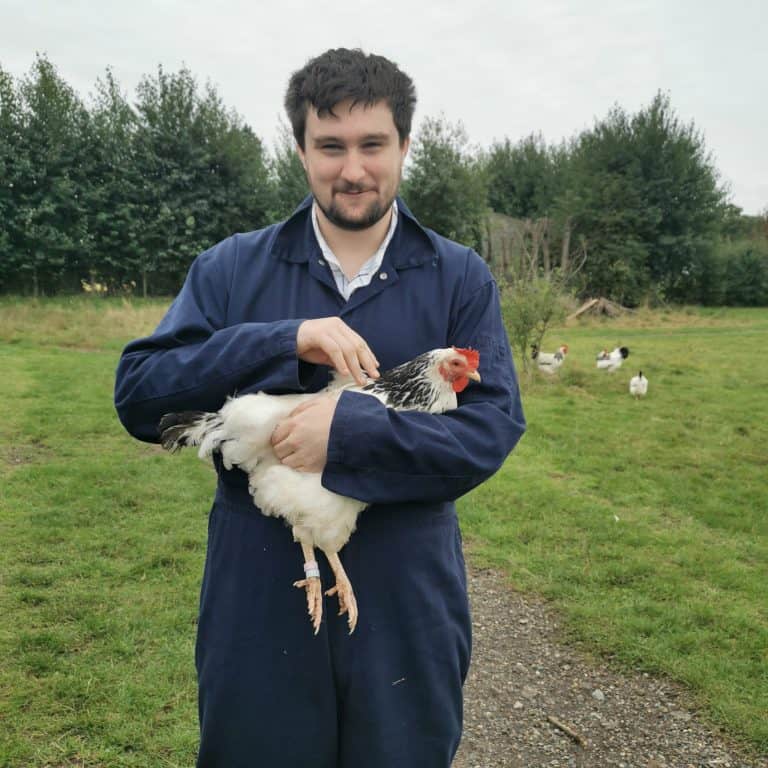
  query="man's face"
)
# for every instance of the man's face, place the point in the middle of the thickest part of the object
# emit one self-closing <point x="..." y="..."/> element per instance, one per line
<point x="353" y="162"/>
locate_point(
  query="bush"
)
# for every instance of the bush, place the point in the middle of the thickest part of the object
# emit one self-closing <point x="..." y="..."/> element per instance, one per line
<point x="746" y="273"/>
<point x="529" y="307"/>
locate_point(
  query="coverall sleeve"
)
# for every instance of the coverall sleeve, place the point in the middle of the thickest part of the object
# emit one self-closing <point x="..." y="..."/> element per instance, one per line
<point x="193" y="360"/>
<point x="382" y="456"/>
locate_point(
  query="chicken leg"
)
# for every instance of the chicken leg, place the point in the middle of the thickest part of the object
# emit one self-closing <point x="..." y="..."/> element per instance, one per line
<point x="343" y="588"/>
<point x="311" y="583"/>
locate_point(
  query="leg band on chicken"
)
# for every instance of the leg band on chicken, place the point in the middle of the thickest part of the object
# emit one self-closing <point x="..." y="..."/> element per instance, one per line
<point x="311" y="583"/>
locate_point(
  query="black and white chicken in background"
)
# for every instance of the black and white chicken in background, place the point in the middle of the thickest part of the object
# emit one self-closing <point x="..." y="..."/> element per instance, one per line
<point x="611" y="361"/>
<point x="241" y="433"/>
<point x="549" y="362"/>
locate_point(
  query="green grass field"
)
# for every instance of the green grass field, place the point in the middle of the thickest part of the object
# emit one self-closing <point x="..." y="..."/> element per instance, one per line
<point x="645" y="523"/>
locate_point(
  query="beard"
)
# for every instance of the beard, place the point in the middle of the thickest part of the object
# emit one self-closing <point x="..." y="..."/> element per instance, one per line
<point x="370" y="216"/>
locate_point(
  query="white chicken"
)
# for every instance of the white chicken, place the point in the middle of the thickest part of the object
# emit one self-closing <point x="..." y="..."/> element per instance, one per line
<point x="241" y="433"/>
<point x="611" y="361"/>
<point x="638" y="385"/>
<point x="549" y="362"/>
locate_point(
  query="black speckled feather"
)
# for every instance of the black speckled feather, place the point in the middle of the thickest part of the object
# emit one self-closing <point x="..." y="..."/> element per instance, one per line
<point x="407" y="387"/>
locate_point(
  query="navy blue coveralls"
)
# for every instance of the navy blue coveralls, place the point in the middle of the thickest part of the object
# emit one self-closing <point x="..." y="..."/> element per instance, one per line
<point x="272" y="695"/>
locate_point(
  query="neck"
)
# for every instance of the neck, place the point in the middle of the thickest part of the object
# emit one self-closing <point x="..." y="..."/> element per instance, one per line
<point x="353" y="247"/>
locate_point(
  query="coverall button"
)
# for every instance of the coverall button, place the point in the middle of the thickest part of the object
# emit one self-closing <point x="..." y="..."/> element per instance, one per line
<point x="382" y="275"/>
<point x="321" y="262"/>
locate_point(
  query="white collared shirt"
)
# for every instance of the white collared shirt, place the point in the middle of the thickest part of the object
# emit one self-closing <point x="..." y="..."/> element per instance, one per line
<point x="365" y="274"/>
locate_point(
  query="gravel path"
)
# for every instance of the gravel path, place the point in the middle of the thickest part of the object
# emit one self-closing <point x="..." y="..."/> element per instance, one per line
<point x="523" y="673"/>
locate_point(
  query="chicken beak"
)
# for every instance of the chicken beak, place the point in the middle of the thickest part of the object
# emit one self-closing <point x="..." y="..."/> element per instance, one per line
<point x="474" y="375"/>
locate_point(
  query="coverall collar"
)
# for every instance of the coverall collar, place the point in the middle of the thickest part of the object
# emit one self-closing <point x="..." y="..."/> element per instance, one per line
<point x="410" y="246"/>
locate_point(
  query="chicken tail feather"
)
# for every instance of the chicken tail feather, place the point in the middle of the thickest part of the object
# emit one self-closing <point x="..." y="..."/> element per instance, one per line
<point x="178" y="430"/>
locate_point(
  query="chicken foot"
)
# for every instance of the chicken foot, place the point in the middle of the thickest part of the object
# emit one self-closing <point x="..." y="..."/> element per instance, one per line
<point x="343" y="588"/>
<point x="311" y="583"/>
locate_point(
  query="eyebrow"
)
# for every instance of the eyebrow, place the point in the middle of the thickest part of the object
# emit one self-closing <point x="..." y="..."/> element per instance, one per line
<point x="368" y="137"/>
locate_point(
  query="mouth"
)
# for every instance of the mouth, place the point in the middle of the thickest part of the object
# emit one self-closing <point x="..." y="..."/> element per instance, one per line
<point x="354" y="192"/>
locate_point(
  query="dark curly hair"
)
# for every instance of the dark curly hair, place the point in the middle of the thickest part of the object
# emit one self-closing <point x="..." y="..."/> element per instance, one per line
<point x="343" y="73"/>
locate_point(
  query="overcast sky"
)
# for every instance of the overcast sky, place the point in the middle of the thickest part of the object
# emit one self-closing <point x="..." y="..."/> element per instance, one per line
<point x="505" y="68"/>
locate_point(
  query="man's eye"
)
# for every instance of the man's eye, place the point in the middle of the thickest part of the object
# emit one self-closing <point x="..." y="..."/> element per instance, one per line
<point x="330" y="148"/>
<point x="372" y="145"/>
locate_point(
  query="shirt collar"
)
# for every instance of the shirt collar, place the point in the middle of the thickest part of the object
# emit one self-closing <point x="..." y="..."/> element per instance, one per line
<point x="372" y="264"/>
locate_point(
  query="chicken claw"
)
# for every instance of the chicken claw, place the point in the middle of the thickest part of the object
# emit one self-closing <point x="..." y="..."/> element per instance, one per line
<point x="347" y="603"/>
<point x="343" y="588"/>
<point x="314" y="599"/>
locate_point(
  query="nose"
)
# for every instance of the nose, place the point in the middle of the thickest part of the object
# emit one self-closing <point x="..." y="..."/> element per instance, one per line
<point x="353" y="170"/>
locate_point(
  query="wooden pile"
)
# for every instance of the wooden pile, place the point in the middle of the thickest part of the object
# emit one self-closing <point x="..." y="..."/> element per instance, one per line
<point x="599" y="307"/>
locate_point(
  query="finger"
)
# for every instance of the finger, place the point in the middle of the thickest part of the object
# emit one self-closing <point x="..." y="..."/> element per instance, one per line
<point x="283" y="449"/>
<point x="351" y="345"/>
<point x="279" y="433"/>
<point x="346" y="349"/>
<point x="353" y="363"/>
<point x="369" y="362"/>
<point x="332" y="348"/>
<point x="292" y="460"/>
<point x="366" y="361"/>
<point x="365" y="357"/>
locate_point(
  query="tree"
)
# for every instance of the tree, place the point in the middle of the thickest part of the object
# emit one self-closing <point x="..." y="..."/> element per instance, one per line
<point x="522" y="178"/>
<point x="682" y="194"/>
<point x="205" y="174"/>
<point x="288" y="175"/>
<point x="604" y="203"/>
<point x="12" y="168"/>
<point x="644" y="193"/>
<point x="236" y="175"/>
<point x="528" y="181"/>
<point x="746" y="273"/>
<point x="444" y="183"/>
<point x="49" y="236"/>
<point x="113" y="198"/>
<point x="170" y="162"/>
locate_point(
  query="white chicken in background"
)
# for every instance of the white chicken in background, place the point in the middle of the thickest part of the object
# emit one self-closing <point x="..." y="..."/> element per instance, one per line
<point x="241" y="433"/>
<point x="638" y="385"/>
<point x="549" y="362"/>
<point x="611" y="361"/>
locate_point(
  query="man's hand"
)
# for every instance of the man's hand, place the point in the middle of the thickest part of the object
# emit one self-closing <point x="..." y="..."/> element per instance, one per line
<point x="330" y="341"/>
<point x="301" y="440"/>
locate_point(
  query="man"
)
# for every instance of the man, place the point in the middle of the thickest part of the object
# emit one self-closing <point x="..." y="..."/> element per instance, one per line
<point x="349" y="281"/>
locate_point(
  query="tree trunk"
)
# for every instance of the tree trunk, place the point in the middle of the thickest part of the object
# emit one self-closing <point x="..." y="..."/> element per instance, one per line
<point x="489" y="255"/>
<point x="35" y="284"/>
<point x="566" y="251"/>
<point x="503" y="258"/>
<point x="144" y="283"/>
<point x="535" y="245"/>
<point x="545" y="248"/>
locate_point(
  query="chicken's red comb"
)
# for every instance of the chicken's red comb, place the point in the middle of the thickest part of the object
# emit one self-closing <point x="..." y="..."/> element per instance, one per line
<point x="472" y="356"/>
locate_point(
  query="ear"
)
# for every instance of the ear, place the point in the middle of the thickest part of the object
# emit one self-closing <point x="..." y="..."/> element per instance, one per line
<point x="404" y="147"/>
<point x="302" y="156"/>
